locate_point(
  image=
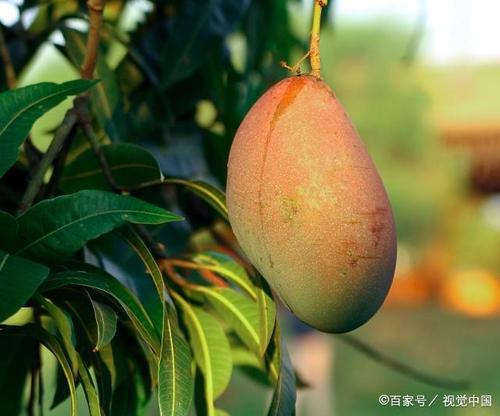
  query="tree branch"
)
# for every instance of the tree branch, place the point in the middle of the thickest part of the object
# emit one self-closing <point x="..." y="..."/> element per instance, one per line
<point x="36" y="182"/>
<point x="10" y="74"/>
<point x="402" y="367"/>
<point x="73" y="115"/>
<point x="58" y="166"/>
<point x="95" y="8"/>
<point x="85" y="122"/>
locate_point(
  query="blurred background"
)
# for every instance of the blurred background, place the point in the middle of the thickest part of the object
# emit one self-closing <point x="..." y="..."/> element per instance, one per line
<point x="421" y="82"/>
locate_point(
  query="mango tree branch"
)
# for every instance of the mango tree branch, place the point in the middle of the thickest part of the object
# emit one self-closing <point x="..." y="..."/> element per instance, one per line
<point x="10" y="74"/>
<point x="36" y="182"/>
<point x="85" y="122"/>
<point x="95" y="8"/>
<point x="314" y="53"/>
<point x="71" y="118"/>
<point x="402" y="367"/>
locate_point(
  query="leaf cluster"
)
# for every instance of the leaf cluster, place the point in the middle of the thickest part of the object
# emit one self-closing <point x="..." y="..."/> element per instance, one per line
<point x="122" y="254"/>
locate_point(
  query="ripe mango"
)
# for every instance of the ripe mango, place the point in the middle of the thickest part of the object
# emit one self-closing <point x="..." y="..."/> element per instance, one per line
<point x="308" y="207"/>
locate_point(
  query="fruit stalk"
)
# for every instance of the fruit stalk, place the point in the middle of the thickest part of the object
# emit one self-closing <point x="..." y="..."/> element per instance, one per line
<point x="314" y="53"/>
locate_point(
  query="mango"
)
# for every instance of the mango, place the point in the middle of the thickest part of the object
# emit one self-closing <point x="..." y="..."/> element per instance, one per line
<point x="308" y="207"/>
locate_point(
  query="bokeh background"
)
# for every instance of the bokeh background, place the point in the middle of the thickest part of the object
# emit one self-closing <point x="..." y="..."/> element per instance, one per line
<point x="421" y="82"/>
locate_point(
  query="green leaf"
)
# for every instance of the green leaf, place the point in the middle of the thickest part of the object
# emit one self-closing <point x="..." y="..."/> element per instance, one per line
<point x="8" y="230"/>
<point x="220" y="412"/>
<point x="215" y="197"/>
<point x="107" y="359"/>
<point x="17" y="354"/>
<point x="140" y="248"/>
<point x="89" y="389"/>
<point x="239" y="312"/>
<point x="130" y="269"/>
<point x="267" y="314"/>
<point x="154" y="303"/>
<point x="21" y="107"/>
<point x="64" y="327"/>
<point x="130" y="165"/>
<point x="77" y="302"/>
<point x="106" y="102"/>
<point x="58" y="227"/>
<point x="53" y="345"/>
<point x="19" y="279"/>
<point x="106" y="321"/>
<point x="175" y="380"/>
<point x="251" y="365"/>
<point x="105" y="371"/>
<point x="210" y="348"/>
<point x="98" y="279"/>
<point x="79" y="306"/>
<point x="284" y="396"/>
<point x="243" y="316"/>
<point x="228" y="268"/>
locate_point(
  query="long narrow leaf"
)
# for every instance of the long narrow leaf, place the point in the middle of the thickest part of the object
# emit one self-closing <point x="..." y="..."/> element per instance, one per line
<point x="131" y="166"/>
<point x="239" y="312"/>
<point x="147" y="258"/>
<point x="210" y="348"/>
<point x="215" y="197"/>
<point x="21" y="107"/>
<point x="65" y="329"/>
<point x="98" y="279"/>
<point x="267" y="314"/>
<point x="57" y="228"/>
<point x="284" y="396"/>
<point x="227" y="268"/>
<point x="89" y="389"/>
<point x="175" y="380"/>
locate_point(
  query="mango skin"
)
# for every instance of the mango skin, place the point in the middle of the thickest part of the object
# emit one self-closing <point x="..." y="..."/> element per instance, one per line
<point x="308" y="207"/>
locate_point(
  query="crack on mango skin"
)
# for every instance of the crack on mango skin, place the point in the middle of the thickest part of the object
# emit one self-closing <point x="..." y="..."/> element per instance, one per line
<point x="292" y="91"/>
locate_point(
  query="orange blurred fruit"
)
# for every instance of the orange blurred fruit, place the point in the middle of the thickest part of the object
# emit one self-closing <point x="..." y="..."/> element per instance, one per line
<point x="409" y="289"/>
<point x="473" y="292"/>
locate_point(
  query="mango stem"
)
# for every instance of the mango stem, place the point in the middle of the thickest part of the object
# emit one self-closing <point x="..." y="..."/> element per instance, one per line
<point x="314" y="54"/>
